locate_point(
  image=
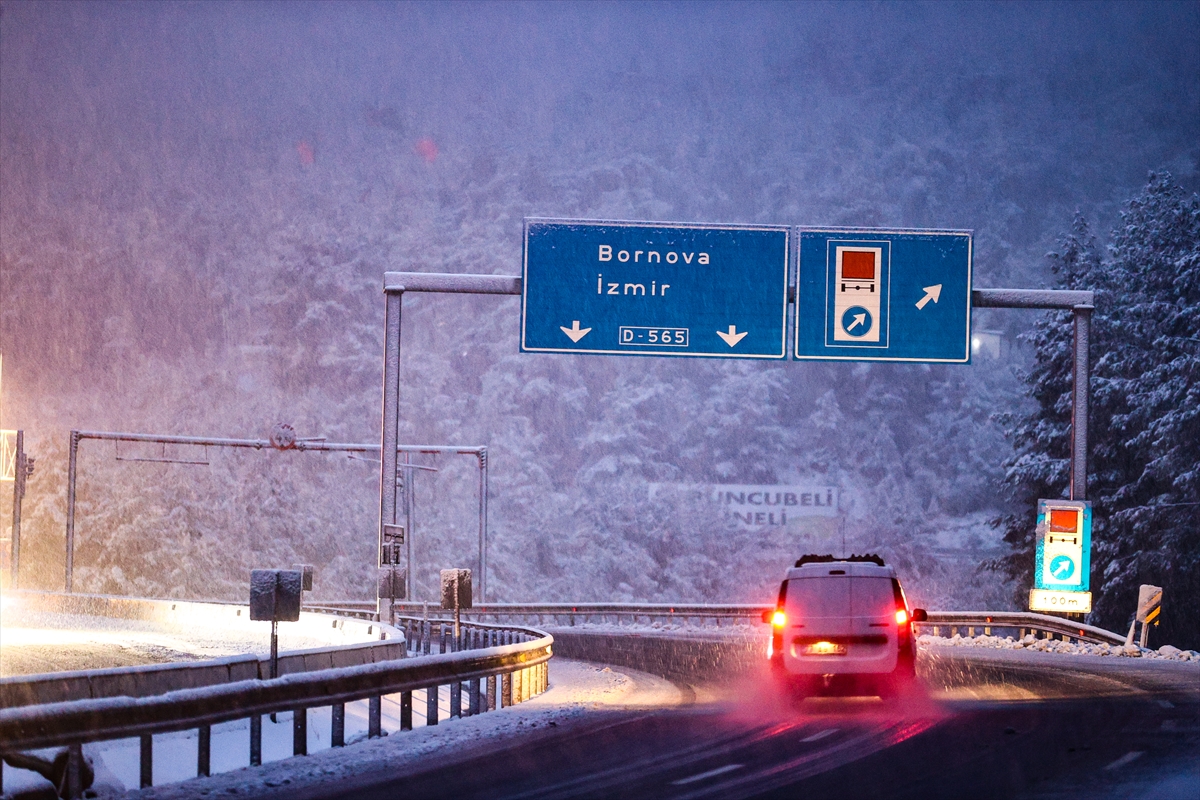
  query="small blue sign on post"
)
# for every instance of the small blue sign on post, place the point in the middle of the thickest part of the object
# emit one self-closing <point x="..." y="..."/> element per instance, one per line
<point x="883" y="295"/>
<point x="662" y="289"/>
<point x="1064" y="546"/>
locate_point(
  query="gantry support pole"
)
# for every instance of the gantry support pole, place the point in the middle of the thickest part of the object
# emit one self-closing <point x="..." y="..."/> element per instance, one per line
<point x="1079" y="302"/>
<point x="1081" y="375"/>
<point x="395" y="284"/>
<point x="391" y="433"/>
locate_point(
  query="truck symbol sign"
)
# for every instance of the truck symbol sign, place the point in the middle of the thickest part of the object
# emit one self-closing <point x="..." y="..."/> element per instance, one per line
<point x="858" y="288"/>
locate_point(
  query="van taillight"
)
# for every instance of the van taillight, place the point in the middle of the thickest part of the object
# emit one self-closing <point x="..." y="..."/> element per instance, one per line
<point x="778" y="622"/>
<point x="901" y="616"/>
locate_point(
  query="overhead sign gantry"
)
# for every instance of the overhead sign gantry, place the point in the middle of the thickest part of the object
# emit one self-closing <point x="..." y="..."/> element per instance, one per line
<point x="584" y="290"/>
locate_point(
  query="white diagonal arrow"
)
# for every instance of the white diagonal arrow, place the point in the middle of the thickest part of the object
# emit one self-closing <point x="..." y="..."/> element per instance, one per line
<point x="733" y="337"/>
<point x="931" y="293"/>
<point x="575" y="333"/>
<point x="859" y="319"/>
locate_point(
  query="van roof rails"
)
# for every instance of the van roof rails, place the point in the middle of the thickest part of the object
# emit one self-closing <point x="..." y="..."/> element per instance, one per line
<point x="813" y="558"/>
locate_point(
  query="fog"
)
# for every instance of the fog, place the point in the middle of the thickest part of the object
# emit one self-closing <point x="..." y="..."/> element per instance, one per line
<point x="198" y="202"/>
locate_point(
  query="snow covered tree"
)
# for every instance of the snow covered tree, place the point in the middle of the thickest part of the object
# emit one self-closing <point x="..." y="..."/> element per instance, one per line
<point x="1144" y="470"/>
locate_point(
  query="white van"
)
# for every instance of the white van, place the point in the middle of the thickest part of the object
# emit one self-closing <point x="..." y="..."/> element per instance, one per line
<point x="843" y="626"/>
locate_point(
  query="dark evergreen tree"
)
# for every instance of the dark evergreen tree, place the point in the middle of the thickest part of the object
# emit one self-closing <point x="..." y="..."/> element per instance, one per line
<point x="1144" y="470"/>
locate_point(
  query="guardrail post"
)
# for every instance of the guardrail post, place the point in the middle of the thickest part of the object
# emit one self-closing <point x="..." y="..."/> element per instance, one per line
<point x="444" y="644"/>
<point x="456" y="699"/>
<point x="300" y="731"/>
<point x="490" y="705"/>
<point x="406" y="711"/>
<point x="374" y="715"/>
<point x="506" y="690"/>
<point x="431" y="703"/>
<point x="204" y="751"/>
<point x="337" y="727"/>
<point x="473" y="697"/>
<point x="147" y="761"/>
<point x="426" y="636"/>
<point x="256" y="740"/>
<point x="75" y="771"/>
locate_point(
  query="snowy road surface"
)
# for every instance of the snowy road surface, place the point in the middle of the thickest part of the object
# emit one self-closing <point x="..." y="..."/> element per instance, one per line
<point x="576" y="690"/>
<point x="995" y="725"/>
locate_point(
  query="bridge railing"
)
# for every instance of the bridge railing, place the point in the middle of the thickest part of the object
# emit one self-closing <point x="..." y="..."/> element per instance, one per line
<point x="494" y="666"/>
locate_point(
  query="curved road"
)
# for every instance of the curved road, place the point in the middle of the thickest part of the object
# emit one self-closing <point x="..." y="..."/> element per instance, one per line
<point x="996" y="725"/>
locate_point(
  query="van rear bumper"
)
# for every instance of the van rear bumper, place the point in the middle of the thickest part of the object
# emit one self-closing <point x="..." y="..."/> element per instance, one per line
<point x="865" y="654"/>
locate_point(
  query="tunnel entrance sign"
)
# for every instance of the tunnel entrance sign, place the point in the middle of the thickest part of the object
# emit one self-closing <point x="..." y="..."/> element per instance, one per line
<point x="621" y="288"/>
<point x="1062" y="562"/>
<point x="883" y="295"/>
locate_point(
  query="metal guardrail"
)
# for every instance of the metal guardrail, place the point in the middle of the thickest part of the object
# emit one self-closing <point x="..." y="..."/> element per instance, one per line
<point x="570" y="614"/>
<point x="1023" y="622"/>
<point x="497" y="665"/>
<point x="750" y="615"/>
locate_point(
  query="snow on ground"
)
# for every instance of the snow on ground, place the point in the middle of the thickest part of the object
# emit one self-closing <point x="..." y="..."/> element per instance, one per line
<point x="576" y="688"/>
<point x="1029" y="642"/>
<point x="39" y="641"/>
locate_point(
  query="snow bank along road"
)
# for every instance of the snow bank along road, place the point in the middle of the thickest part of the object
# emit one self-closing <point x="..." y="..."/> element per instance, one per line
<point x="50" y="633"/>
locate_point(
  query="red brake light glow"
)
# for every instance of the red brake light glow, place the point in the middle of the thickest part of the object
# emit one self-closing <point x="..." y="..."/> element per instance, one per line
<point x="778" y="619"/>
<point x="901" y="616"/>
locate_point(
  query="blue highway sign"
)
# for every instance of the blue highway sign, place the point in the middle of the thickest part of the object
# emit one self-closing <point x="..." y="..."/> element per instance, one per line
<point x="621" y="288"/>
<point x="883" y="295"/>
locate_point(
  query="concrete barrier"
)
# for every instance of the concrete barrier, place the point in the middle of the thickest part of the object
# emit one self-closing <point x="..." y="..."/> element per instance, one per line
<point x="687" y="659"/>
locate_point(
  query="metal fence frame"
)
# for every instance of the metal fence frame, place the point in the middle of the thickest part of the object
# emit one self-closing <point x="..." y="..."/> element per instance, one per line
<point x="303" y="445"/>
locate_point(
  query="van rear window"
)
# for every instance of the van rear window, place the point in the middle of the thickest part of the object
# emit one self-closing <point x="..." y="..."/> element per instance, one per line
<point x="872" y="597"/>
<point x="818" y="597"/>
<point x="836" y="596"/>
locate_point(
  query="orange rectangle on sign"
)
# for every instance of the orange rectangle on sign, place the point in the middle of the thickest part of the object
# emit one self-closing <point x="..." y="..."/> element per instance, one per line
<point x="858" y="266"/>
<point x="1064" y="520"/>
